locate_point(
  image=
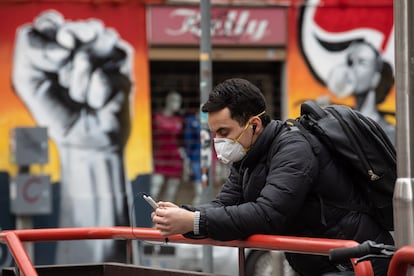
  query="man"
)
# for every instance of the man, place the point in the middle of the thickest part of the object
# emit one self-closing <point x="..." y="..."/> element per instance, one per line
<point x="278" y="184"/>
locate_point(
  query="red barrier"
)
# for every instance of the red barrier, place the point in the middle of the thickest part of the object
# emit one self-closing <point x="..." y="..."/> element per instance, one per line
<point x="402" y="259"/>
<point x="270" y="242"/>
<point x="19" y="253"/>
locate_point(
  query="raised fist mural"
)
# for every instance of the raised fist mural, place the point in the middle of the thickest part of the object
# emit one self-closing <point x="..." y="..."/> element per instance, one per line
<point x="75" y="78"/>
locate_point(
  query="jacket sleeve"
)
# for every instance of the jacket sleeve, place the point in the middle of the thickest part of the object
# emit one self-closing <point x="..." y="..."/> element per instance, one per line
<point x="230" y="194"/>
<point x="287" y="181"/>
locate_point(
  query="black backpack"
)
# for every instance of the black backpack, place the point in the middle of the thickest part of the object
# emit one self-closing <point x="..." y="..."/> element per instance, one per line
<point x="362" y="146"/>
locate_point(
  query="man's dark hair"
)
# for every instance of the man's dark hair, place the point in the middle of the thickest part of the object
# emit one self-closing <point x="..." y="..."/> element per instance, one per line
<point x="241" y="97"/>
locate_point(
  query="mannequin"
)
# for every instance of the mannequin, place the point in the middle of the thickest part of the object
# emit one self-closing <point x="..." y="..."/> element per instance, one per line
<point x="168" y="153"/>
<point x="193" y="151"/>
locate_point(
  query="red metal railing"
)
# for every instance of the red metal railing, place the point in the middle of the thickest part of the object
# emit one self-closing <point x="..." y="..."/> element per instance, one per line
<point x="19" y="253"/>
<point x="403" y="258"/>
<point x="14" y="239"/>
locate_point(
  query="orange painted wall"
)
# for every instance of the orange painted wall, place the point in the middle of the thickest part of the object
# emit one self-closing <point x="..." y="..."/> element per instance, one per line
<point x="301" y="84"/>
<point x="129" y="21"/>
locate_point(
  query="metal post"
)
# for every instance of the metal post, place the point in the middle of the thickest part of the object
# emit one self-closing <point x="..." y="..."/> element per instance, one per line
<point x="26" y="222"/>
<point x="242" y="267"/>
<point x="404" y="72"/>
<point x="205" y="88"/>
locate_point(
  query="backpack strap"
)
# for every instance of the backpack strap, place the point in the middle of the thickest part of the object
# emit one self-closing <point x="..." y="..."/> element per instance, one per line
<point x="297" y="125"/>
<point x="313" y="109"/>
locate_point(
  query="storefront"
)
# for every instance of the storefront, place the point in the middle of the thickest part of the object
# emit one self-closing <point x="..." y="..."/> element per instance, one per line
<point x="247" y="42"/>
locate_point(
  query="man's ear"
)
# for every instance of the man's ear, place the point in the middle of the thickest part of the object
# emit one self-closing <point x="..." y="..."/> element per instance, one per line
<point x="255" y="123"/>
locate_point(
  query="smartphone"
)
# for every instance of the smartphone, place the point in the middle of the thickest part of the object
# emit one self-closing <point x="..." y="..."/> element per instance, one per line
<point x="150" y="201"/>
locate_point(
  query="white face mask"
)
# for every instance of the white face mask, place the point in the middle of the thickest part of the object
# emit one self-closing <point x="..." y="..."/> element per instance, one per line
<point x="228" y="151"/>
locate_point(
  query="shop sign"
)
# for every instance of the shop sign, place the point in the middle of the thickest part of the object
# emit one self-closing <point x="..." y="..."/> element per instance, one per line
<point x="239" y="26"/>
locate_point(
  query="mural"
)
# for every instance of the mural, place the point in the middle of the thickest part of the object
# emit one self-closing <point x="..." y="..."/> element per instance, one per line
<point x="81" y="70"/>
<point x="343" y="54"/>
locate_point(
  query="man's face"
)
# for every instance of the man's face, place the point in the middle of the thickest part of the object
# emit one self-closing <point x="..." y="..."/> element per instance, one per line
<point x="222" y="126"/>
<point x="362" y="61"/>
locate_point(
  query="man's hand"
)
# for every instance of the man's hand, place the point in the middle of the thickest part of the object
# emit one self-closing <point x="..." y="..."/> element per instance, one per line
<point x="170" y="219"/>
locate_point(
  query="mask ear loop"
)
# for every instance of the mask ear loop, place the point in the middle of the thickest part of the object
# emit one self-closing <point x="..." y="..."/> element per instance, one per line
<point x="254" y="126"/>
<point x="241" y="134"/>
<point x="247" y="125"/>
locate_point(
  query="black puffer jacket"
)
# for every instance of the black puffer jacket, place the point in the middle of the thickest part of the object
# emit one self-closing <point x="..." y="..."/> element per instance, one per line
<point x="282" y="187"/>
